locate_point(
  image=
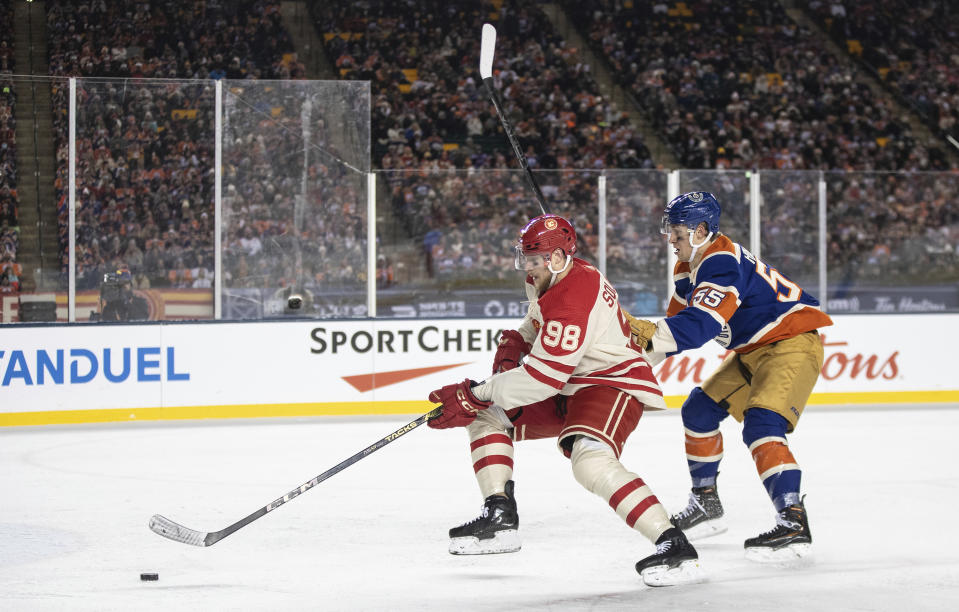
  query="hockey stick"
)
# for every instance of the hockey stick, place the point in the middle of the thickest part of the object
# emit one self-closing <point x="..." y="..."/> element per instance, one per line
<point x="178" y="533"/>
<point x="487" y="48"/>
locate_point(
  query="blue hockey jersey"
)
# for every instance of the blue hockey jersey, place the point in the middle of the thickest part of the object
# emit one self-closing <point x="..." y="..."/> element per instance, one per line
<point x="735" y="298"/>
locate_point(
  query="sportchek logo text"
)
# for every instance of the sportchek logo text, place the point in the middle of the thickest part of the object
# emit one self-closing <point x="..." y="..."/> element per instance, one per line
<point x="429" y="339"/>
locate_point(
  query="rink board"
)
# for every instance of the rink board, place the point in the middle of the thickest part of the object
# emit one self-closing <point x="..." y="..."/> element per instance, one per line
<point x="106" y="373"/>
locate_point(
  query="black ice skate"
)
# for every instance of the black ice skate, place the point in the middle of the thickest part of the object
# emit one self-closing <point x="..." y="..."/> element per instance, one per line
<point x="703" y="516"/>
<point x="788" y="541"/>
<point x="675" y="561"/>
<point x="493" y="531"/>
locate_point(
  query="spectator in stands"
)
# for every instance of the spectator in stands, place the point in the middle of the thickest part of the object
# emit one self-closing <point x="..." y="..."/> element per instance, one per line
<point x="9" y="239"/>
<point x="7" y="284"/>
<point x="11" y="272"/>
<point x="911" y="46"/>
<point x="141" y="155"/>
<point x="9" y="199"/>
<point x="772" y="83"/>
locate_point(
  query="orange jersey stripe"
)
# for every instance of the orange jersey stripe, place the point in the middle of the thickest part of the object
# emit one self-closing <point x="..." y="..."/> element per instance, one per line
<point x="728" y="306"/>
<point x="770" y="455"/>
<point x="675" y="305"/>
<point x="792" y="325"/>
<point x="704" y="448"/>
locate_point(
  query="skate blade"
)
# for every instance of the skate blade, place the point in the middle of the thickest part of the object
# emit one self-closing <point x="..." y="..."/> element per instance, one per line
<point x="687" y="572"/>
<point x="788" y="556"/>
<point x="706" y="529"/>
<point x="505" y="541"/>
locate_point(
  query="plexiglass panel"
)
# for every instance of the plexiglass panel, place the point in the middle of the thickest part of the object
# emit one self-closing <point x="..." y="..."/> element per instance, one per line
<point x="144" y="199"/>
<point x="789" y="227"/>
<point x="892" y="242"/>
<point x="636" y="252"/>
<point x="296" y="158"/>
<point x="295" y="195"/>
<point x="449" y="236"/>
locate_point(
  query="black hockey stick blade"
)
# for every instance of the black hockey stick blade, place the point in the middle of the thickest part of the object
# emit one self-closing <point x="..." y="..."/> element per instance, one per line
<point x="178" y="533"/>
<point x="487" y="51"/>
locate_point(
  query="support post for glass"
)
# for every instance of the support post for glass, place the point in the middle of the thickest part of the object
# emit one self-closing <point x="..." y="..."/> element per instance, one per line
<point x="72" y="205"/>
<point x="672" y="191"/>
<point x="371" y="244"/>
<point x="217" y="202"/>
<point x="755" y="214"/>
<point x="822" y="241"/>
<point x="601" y="256"/>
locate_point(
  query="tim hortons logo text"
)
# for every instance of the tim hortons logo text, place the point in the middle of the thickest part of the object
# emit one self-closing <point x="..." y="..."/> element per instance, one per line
<point x="429" y="339"/>
<point x="839" y="362"/>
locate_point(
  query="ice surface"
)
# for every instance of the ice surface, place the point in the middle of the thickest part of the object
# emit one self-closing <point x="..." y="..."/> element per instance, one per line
<point x="75" y="501"/>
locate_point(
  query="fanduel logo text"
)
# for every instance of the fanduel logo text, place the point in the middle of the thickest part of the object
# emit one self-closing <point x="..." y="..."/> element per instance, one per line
<point x="80" y="365"/>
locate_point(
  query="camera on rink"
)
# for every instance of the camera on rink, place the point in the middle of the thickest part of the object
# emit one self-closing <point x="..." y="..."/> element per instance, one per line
<point x="117" y="300"/>
<point x="292" y="301"/>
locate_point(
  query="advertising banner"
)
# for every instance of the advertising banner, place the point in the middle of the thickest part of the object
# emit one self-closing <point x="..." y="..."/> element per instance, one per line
<point x="104" y="372"/>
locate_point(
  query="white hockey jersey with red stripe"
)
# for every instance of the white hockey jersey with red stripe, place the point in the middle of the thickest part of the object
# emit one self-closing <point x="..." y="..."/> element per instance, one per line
<point x="579" y="338"/>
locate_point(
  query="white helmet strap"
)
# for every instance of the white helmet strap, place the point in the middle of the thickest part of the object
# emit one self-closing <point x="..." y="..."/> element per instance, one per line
<point x="696" y="247"/>
<point x="549" y="266"/>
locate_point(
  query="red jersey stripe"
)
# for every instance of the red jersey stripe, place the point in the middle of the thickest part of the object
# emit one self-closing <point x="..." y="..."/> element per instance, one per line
<point x="641" y="507"/>
<point x="556" y="365"/>
<point x="492" y="460"/>
<point x="617" y="498"/>
<point x="543" y="378"/>
<point x="619" y="383"/>
<point x="497" y="438"/>
<point x="621" y="366"/>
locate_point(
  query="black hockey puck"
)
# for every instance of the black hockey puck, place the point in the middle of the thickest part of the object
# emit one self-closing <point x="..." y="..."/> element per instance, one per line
<point x="149" y="577"/>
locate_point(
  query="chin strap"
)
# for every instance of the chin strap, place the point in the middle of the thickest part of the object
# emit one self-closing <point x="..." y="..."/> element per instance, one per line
<point x="696" y="247"/>
<point x="549" y="266"/>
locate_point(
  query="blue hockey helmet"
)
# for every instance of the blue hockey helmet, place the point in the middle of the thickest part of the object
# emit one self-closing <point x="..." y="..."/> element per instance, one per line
<point x="691" y="209"/>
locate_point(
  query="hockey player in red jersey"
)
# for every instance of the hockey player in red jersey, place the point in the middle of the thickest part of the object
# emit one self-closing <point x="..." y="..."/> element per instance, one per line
<point x="723" y="292"/>
<point x="583" y="382"/>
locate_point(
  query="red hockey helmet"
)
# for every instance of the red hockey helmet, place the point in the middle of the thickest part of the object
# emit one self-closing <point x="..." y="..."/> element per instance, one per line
<point x="542" y="235"/>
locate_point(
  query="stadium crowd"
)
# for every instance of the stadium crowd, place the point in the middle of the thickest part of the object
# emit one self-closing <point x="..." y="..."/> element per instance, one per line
<point x="741" y="85"/>
<point x="10" y="270"/>
<point x="432" y="114"/>
<point x="730" y="86"/>
<point x="145" y="148"/>
<point x="912" y="46"/>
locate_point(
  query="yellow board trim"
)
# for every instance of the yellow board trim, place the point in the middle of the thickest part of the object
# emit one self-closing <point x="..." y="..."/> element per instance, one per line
<point x="250" y="411"/>
<point x="247" y="411"/>
<point x="864" y="397"/>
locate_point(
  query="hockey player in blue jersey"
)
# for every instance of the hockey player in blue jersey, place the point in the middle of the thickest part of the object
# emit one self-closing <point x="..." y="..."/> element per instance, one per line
<point x="724" y="292"/>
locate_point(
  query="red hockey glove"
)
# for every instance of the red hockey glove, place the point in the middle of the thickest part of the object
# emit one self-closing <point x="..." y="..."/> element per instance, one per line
<point x="459" y="405"/>
<point x="511" y="349"/>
